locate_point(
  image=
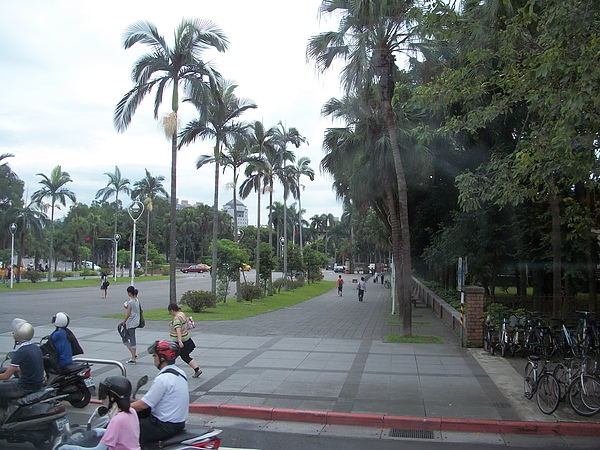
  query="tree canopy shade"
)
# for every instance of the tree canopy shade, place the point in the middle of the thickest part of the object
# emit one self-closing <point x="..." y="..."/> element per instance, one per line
<point x="53" y="187"/>
<point x="179" y="66"/>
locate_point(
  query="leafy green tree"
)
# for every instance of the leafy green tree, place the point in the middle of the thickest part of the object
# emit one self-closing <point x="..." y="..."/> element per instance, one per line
<point x="231" y="258"/>
<point x="217" y="121"/>
<point x="302" y="168"/>
<point x="178" y="66"/>
<point x="29" y="219"/>
<point x="53" y="187"/>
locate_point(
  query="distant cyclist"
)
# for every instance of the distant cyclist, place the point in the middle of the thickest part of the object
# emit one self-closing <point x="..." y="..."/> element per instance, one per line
<point x="340" y="285"/>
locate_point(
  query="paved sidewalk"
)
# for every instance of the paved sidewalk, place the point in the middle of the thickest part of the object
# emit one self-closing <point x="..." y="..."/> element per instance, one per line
<point x="328" y="360"/>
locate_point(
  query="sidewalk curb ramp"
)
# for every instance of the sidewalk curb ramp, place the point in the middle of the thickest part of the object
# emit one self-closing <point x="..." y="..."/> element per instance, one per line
<point x="404" y="422"/>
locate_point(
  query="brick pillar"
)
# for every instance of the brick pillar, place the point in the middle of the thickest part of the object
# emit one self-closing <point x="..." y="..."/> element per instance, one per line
<point x="474" y="319"/>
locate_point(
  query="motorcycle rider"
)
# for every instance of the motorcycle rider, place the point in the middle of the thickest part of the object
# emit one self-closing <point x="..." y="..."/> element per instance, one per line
<point x="167" y="400"/>
<point x="27" y="360"/>
<point x="123" y="430"/>
<point x="64" y="341"/>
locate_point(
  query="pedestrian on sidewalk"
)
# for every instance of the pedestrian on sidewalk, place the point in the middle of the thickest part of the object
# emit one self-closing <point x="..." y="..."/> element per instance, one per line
<point x="180" y="333"/>
<point x="362" y="287"/>
<point x="376" y="277"/>
<point x="104" y="286"/>
<point x="131" y="322"/>
<point x="340" y="285"/>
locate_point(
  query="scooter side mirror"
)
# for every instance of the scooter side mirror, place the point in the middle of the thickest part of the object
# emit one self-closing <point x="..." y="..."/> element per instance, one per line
<point x="142" y="381"/>
<point x="102" y="411"/>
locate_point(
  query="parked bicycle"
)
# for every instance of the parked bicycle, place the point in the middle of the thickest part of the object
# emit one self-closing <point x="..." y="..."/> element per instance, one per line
<point x="540" y="382"/>
<point x="517" y="338"/>
<point x="490" y="339"/>
<point x="584" y="391"/>
<point x="586" y="334"/>
<point x="564" y="342"/>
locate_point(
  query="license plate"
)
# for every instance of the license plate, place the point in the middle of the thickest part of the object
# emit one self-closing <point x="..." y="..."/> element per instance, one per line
<point x="62" y="423"/>
<point x="89" y="382"/>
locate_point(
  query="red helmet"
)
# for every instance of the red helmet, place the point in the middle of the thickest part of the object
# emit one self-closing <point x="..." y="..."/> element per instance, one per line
<point x="169" y="350"/>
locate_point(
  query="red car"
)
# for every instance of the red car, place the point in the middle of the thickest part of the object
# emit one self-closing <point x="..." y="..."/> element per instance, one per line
<point x="196" y="268"/>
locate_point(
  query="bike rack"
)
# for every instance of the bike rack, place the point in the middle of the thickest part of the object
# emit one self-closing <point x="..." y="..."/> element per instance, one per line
<point x="111" y="362"/>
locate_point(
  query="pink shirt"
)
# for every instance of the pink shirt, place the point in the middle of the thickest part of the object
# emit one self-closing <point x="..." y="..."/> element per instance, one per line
<point x="123" y="432"/>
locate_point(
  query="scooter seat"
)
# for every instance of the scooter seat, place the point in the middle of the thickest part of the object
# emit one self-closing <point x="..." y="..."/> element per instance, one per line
<point x="34" y="397"/>
<point x="70" y="368"/>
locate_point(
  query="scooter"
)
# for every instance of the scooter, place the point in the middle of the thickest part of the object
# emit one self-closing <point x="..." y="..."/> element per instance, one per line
<point x="38" y="418"/>
<point x="74" y="380"/>
<point x="84" y="436"/>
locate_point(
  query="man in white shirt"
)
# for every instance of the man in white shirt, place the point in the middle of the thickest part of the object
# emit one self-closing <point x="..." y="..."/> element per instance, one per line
<point x="168" y="399"/>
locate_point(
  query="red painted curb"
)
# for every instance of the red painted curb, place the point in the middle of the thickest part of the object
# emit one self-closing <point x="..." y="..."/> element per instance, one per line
<point x="406" y="422"/>
<point x="366" y="420"/>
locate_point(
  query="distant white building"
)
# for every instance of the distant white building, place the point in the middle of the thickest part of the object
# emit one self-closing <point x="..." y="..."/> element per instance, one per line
<point x="242" y="212"/>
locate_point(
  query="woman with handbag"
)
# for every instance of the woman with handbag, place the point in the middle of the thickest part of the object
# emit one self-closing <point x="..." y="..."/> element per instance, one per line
<point x="131" y="322"/>
<point x="180" y="333"/>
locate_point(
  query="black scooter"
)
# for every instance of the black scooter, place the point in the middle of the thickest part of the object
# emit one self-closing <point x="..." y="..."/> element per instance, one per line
<point x="38" y="418"/>
<point x="74" y="380"/>
<point x="85" y="436"/>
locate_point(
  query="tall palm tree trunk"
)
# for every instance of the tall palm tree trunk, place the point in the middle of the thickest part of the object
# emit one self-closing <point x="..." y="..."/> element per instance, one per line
<point x="147" y="240"/>
<point x="172" y="221"/>
<point x="403" y="288"/>
<point x="257" y="265"/>
<point x="215" y="223"/>
<point x="51" y="245"/>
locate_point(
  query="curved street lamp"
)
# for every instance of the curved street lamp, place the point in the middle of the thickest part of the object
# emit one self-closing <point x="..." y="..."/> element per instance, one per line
<point x="13" y="229"/>
<point x="135" y="211"/>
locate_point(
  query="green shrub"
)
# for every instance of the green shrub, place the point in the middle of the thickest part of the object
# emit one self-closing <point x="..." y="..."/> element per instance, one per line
<point x="279" y="283"/>
<point x="32" y="275"/>
<point x="250" y="291"/>
<point x="60" y="275"/>
<point x="165" y="271"/>
<point x="138" y="272"/>
<point x="199" y="300"/>
<point x="87" y="272"/>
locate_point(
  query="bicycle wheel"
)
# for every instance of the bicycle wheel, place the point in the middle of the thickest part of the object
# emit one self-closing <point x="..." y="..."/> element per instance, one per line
<point x="576" y="400"/>
<point x="590" y="393"/>
<point x="547" y="345"/>
<point x="561" y="373"/>
<point x="547" y="393"/>
<point x="529" y="380"/>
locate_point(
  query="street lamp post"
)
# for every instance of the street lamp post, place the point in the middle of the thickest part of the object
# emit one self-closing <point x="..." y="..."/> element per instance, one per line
<point x="116" y="239"/>
<point x="12" y="228"/>
<point x="135" y="211"/>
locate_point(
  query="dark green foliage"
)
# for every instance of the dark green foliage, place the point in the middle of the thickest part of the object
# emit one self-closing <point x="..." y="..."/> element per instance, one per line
<point x="32" y="275"/>
<point x="199" y="300"/>
<point x="60" y="275"/>
<point x="250" y="291"/>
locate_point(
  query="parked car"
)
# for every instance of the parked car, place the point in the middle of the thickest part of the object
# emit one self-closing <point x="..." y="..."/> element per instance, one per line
<point x="199" y="268"/>
<point x="339" y="269"/>
<point x="90" y="265"/>
<point x="329" y="267"/>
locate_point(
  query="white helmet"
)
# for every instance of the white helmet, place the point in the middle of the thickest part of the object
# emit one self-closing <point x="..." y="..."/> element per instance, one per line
<point x="22" y="330"/>
<point x="61" y="320"/>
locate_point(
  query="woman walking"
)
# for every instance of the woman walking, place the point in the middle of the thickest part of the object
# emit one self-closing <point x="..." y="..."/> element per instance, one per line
<point x="103" y="286"/>
<point x="131" y="322"/>
<point x="180" y="333"/>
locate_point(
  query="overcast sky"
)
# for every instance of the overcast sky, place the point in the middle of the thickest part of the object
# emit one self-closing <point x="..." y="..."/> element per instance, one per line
<point x="63" y="69"/>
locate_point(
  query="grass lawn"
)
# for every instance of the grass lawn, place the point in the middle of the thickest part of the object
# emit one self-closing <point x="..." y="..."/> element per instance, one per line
<point x="416" y="339"/>
<point x="75" y="282"/>
<point x="233" y="310"/>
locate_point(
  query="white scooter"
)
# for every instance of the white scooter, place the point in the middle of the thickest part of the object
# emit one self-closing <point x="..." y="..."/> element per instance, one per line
<point x="84" y="436"/>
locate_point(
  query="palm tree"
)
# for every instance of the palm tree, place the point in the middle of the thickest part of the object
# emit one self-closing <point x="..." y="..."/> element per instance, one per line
<point x="283" y="137"/>
<point x="255" y="176"/>
<point x="116" y="184"/>
<point x="369" y="35"/>
<point x="27" y="218"/>
<point x="302" y="168"/>
<point x="178" y="66"/>
<point x="53" y="187"/>
<point x="217" y="121"/>
<point x="146" y="190"/>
